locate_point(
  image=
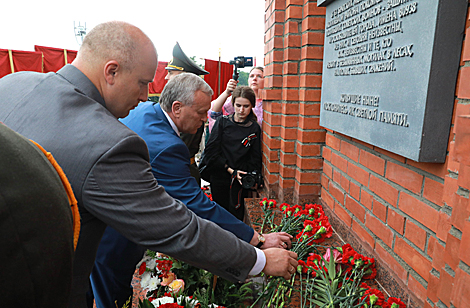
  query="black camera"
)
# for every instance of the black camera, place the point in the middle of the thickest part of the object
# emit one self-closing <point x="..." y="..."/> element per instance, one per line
<point x="240" y="62"/>
<point x="251" y="178"/>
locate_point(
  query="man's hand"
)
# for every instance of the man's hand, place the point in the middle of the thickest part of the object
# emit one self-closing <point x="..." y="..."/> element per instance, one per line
<point x="280" y="262"/>
<point x="231" y="85"/>
<point x="277" y="240"/>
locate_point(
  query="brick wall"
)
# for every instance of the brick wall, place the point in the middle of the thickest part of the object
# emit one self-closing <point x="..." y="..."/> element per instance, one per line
<point x="413" y="217"/>
<point x="292" y="138"/>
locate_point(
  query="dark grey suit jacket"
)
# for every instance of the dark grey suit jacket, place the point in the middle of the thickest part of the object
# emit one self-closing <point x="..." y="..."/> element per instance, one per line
<point x="107" y="166"/>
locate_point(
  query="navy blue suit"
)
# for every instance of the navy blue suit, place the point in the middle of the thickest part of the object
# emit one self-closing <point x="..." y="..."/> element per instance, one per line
<point x="169" y="157"/>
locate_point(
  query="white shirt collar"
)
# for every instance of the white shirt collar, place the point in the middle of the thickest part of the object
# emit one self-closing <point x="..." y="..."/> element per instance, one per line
<point x="173" y="125"/>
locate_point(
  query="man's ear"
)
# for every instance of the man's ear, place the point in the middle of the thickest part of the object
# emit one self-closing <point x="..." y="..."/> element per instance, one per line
<point x="176" y="108"/>
<point x="111" y="68"/>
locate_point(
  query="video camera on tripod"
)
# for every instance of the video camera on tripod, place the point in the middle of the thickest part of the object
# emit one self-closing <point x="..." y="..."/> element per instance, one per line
<point x="240" y="62"/>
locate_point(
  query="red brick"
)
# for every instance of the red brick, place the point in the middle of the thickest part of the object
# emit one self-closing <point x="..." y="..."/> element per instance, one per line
<point x="350" y="151"/>
<point x="462" y="139"/>
<point x="272" y="119"/>
<point x="309" y="109"/>
<point x="379" y="229"/>
<point x="288" y="146"/>
<point x="413" y="258"/>
<point x="336" y="192"/>
<point x="343" y="214"/>
<point x="363" y="234"/>
<point x="344" y="182"/>
<point x="419" y="210"/>
<point x="309" y="52"/>
<point x="313" y="23"/>
<point x="272" y="94"/>
<point x="309" y="95"/>
<point x="286" y="183"/>
<point x="431" y="244"/>
<point x="396" y="221"/>
<point x="415" y="234"/>
<point x="336" y="176"/>
<point x="309" y="149"/>
<point x="460" y="292"/>
<point x="273" y="82"/>
<point x="366" y="199"/>
<point x="309" y="163"/>
<point x="339" y="162"/>
<point x="464" y="176"/>
<point x="464" y="251"/>
<point x="272" y="107"/>
<point x="404" y="177"/>
<point x="451" y="254"/>
<point x="433" y="191"/>
<point x="311" y="67"/>
<point x="309" y="123"/>
<point x="291" y="81"/>
<point x="325" y="181"/>
<point x="433" y="286"/>
<point x="269" y="130"/>
<point x="311" y="9"/>
<point x="294" y="12"/>
<point x="326" y="153"/>
<point x="439" y="170"/>
<point x="310" y="80"/>
<point x="460" y="211"/>
<point x="292" y="54"/>
<point x="291" y="27"/>
<point x="416" y="288"/>
<point x="272" y="143"/>
<point x="328" y="170"/>
<point x="289" y="121"/>
<point x="438" y="256"/>
<point x="272" y="167"/>
<point x="326" y="197"/>
<point x="463" y="90"/>
<point x="391" y="262"/>
<point x="307" y="190"/>
<point x="444" y="289"/>
<point x="289" y="133"/>
<point x="372" y="162"/>
<point x="288" y="159"/>
<point x="355" y="208"/>
<point x="308" y="177"/>
<point x="390" y="154"/>
<point x="443" y="226"/>
<point x="313" y="38"/>
<point x="270" y="178"/>
<point x="270" y="155"/>
<point x="314" y="136"/>
<point x="359" y="174"/>
<point x="354" y="190"/>
<point x="290" y="95"/>
<point x="289" y="68"/>
<point x="380" y="211"/>
<point x="333" y="142"/>
<point x="383" y="190"/>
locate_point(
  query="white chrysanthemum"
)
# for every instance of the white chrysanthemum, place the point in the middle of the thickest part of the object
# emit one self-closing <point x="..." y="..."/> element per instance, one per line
<point x="191" y="301"/>
<point x="151" y="264"/>
<point x="153" y="283"/>
<point x="162" y="300"/>
<point x="145" y="279"/>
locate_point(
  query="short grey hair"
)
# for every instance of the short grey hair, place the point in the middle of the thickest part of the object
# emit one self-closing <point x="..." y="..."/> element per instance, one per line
<point x="115" y="40"/>
<point x="182" y="88"/>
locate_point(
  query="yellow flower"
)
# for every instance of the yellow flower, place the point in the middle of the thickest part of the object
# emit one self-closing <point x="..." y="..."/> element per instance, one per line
<point x="176" y="286"/>
<point x="169" y="279"/>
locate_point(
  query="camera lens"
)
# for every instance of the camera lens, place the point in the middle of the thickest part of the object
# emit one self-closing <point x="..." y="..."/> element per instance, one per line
<point x="248" y="181"/>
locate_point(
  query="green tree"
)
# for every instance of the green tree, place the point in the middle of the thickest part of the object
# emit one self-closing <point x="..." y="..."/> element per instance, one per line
<point x="243" y="78"/>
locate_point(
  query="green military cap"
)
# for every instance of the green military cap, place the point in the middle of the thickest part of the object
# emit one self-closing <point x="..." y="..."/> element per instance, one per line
<point x="181" y="62"/>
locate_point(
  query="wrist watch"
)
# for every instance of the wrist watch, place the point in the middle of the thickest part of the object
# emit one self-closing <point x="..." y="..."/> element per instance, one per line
<point x="261" y="240"/>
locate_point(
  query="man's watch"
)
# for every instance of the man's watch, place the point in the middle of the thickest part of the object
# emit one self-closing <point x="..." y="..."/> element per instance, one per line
<point x="261" y="240"/>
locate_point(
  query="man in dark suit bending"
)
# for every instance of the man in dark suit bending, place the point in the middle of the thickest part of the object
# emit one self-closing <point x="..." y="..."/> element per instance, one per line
<point x="73" y="114"/>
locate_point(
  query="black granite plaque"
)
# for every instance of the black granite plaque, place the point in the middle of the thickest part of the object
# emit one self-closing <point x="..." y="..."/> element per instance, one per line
<point x="389" y="72"/>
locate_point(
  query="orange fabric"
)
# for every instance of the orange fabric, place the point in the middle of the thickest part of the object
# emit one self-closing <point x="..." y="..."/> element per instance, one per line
<point x="55" y="58"/>
<point x="226" y="72"/>
<point x="159" y="82"/>
<point x="22" y="61"/>
<point x="68" y="189"/>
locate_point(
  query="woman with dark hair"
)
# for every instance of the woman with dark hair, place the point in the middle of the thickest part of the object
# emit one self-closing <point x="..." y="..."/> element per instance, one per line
<point x="223" y="104"/>
<point x="233" y="150"/>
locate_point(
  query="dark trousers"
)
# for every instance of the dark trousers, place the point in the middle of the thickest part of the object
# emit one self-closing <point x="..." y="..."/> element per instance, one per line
<point x="229" y="195"/>
<point x="114" y="268"/>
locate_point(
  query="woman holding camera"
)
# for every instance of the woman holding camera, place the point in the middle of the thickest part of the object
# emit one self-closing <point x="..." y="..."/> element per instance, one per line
<point x="223" y="104"/>
<point x="232" y="155"/>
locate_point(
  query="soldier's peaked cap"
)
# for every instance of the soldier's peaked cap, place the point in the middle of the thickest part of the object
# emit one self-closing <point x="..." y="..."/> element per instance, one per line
<point x="181" y="62"/>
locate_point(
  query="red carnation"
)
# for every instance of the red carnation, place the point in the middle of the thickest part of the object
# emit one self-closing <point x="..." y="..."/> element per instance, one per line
<point x="394" y="302"/>
<point x="142" y="268"/>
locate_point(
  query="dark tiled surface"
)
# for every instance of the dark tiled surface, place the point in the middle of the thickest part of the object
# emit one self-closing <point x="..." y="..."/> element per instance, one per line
<point x="386" y="279"/>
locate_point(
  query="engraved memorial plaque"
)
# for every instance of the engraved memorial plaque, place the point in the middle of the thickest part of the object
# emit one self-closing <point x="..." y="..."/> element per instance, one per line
<point x="389" y="72"/>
